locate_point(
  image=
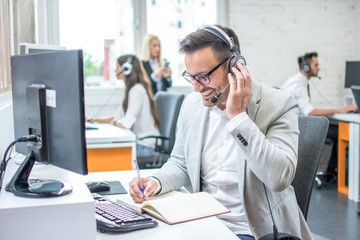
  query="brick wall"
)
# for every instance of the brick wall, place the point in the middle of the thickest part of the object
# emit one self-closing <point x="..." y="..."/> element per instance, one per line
<point x="273" y="33"/>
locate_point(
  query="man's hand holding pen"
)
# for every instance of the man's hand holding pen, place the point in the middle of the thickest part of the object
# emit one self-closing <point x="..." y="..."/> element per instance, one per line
<point x="149" y="185"/>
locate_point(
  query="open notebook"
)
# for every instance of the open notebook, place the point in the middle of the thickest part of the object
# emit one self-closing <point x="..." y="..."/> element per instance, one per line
<point x="177" y="207"/>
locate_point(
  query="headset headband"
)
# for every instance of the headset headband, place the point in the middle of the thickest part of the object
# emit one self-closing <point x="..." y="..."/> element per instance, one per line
<point x="222" y="35"/>
<point x="130" y="59"/>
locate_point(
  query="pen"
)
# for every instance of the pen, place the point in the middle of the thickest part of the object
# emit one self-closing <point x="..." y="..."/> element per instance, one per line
<point x="138" y="172"/>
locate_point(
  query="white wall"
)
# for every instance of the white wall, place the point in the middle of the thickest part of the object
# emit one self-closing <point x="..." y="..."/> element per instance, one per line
<point x="357" y="29"/>
<point x="273" y="33"/>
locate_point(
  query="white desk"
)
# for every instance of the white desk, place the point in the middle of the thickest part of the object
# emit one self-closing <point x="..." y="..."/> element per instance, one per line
<point x="110" y="148"/>
<point x="206" y="228"/>
<point x="354" y="153"/>
<point x="66" y="217"/>
<point x="72" y="216"/>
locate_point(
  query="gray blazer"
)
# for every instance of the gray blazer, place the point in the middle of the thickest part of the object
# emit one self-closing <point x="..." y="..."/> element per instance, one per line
<point x="267" y="140"/>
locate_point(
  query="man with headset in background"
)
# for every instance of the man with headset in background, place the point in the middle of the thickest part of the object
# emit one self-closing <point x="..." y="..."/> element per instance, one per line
<point x="236" y="139"/>
<point x="298" y="85"/>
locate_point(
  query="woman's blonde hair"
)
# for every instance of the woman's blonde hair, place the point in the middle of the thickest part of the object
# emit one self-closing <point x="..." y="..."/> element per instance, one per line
<point x="146" y="48"/>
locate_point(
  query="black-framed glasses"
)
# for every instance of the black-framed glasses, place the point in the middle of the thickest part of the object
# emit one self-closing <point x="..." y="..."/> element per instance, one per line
<point x="202" y="78"/>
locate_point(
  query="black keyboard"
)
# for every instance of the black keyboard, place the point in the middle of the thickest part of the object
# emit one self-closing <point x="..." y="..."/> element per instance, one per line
<point x="114" y="217"/>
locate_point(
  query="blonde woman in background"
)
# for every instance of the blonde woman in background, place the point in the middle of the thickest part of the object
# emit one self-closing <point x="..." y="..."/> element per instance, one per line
<point x="156" y="68"/>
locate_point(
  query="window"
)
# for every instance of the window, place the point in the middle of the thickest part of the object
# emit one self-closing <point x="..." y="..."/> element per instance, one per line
<point x="172" y="20"/>
<point x="5" y="52"/>
<point x="103" y="29"/>
<point x="107" y="29"/>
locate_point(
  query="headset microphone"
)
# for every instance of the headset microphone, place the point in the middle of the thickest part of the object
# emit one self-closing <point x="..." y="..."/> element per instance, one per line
<point x="124" y="69"/>
<point x="119" y="73"/>
<point x="216" y="97"/>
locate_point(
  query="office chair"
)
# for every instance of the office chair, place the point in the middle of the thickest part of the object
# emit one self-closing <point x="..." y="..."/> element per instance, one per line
<point x="312" y="137"/>
<point x="328" y="153"/>
<point x="168" y="105"/>
<point x="322" y="174"/>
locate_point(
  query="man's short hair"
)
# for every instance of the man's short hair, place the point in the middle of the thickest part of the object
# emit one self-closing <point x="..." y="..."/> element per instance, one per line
<point x="201" y="39"/>
<point x="307" y="58"/>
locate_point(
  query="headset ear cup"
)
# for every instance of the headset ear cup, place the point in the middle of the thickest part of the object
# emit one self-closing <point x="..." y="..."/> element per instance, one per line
<point x="241" y="60"/>
<point x="236" y="59"/>
<point x="306" y="68"/>
<point x="127" y="68"/>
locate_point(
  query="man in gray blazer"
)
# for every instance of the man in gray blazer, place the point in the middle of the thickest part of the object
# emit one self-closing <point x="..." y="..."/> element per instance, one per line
<point x="236" y="139"/>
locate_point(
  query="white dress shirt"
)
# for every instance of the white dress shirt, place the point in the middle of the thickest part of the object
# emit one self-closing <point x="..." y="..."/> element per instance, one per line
<point x="138" y="115"/>
<point x="297" y="85"/>
<point x="219" y="176"/>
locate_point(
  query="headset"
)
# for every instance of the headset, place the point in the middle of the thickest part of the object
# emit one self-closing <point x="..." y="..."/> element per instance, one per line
<point x="305" y="67"/>
<point x="127" y="66"/>
<point x="229" y="41"/>
<point x="218" y="32"/>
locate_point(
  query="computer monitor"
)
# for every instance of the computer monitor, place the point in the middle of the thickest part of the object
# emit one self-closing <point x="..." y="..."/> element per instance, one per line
<point x="31" y="48"/>
<point x="352" y="73"/>
<point x="48" y="101"/>
<point x="356" y="92"/>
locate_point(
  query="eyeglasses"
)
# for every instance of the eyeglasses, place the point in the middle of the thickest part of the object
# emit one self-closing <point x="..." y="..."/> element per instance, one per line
<point x="201" y="77"/>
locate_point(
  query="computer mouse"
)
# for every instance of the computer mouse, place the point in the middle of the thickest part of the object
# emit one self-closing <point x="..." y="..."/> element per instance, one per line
<point x="95" y="187"/>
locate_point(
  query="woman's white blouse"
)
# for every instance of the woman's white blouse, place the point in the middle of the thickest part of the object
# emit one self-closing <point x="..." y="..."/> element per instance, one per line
<point x="138" y="117"/>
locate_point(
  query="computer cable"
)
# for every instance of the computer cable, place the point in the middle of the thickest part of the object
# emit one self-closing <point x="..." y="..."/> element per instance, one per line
<point x="27" y="138"/>
<point x="102" y="107"/>
<point x="324" y="98"/>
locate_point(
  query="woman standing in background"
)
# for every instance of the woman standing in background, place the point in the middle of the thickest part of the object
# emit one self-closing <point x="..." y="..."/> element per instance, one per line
<point x="157" y="69"/>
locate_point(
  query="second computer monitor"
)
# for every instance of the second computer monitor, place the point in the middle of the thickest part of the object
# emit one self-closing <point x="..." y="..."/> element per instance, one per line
<point x="32" y="48"/>
<point x="352" y="73"/>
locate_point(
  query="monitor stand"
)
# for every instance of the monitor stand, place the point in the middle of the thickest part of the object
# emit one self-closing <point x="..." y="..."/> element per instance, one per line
<point x="21" y="185"/>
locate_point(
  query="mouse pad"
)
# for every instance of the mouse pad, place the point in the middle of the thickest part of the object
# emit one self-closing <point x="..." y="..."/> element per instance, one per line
<point x="115" y="188"/>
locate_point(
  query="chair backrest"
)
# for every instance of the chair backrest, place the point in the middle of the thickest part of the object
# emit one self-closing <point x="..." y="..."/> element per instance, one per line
<point x="313" y="131"/>
<point x="168" y="105"/>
